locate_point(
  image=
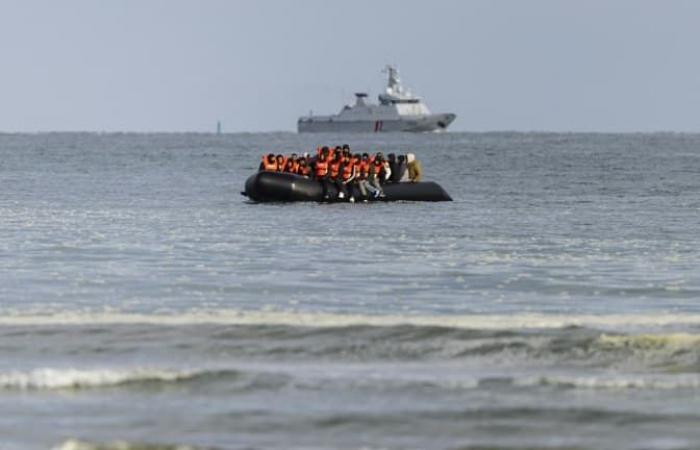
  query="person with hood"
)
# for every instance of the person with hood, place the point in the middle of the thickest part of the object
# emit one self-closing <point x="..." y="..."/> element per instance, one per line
<point x="399" y="172"/>
<point x="391" y="162"/>
<point x="415" y="170"/>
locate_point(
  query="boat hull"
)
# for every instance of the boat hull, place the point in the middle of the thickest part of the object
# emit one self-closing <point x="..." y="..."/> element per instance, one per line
<point x="331" y="124"/>
<point x="286" y="187"/>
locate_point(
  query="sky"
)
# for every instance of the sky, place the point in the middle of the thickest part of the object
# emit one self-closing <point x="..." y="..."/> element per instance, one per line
<point x="183" y="65"/>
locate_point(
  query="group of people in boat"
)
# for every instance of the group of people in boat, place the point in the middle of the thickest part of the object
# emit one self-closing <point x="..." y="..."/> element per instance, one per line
<point x="354" y="175"/>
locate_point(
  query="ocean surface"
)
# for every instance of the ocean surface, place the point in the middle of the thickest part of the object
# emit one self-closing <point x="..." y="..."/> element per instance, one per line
<point x="145" y="304"/>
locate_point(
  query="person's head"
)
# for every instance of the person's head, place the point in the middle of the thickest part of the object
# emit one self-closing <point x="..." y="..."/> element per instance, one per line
<point x="379" y="157"/>
<point x="410" y="157"/>
<point x="391" y="157"/>
<point x="401" y="158"/>
<point x="325" y="150"/>
<point x="280" y="158"/>
<point x="365" y="157"/>
<point x="346" y="147"/>
<point x="302" y="161"/>
<point x="338" y="156"/>
<point x="293" y="157"/>
<point x="271" y="157"/>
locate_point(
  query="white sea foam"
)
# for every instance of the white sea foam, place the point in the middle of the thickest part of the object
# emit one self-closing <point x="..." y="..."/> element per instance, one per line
<point x="293" y="318"/>
<point x="659" y="382"/>
<point x="57" y="379"/>
<point x="75" y="444"/>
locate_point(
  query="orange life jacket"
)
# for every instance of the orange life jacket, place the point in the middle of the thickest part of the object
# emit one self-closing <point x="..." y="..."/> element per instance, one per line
<point x="269" y="166"/>
<point x="347" y="171"/>
<point x="378" y="167"/>
<point x="321" y="168"/>
<point x="335" y="168"/>
<point x="304" y="171"/>
<point x="363" y="169"/>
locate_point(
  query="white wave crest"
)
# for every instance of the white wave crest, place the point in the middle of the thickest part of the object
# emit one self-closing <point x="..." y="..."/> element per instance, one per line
<point x="56" y="379"/>
<point x="75" y="444"/>
<point x="659" y="382"/>
<point x="294" y="318"/>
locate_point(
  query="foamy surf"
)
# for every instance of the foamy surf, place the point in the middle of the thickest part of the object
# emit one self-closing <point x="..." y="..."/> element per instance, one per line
<point x="59" y="379"/>
<point x="330" y="320"/>
<point x="76" y="444"/>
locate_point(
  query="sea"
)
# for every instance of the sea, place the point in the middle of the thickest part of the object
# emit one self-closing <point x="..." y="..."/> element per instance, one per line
<point x="146" y="304"/>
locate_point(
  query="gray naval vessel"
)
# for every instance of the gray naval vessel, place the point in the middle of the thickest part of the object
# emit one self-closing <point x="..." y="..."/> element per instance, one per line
<point x="398" y="110"/>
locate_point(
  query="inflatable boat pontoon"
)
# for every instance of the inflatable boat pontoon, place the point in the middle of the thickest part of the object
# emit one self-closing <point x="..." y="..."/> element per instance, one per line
<point x="287" y="187"/>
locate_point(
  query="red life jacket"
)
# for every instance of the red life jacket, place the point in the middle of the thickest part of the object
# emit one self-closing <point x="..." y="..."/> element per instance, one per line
<point x="304" y="171"/>
<point x="335" y="168"/>
<point x="347" y="171"/>
<point x="363" y="169"/>
<point x="269" y="166"/>
<point x="321" y="168"/>
<point x="378" y="167"/>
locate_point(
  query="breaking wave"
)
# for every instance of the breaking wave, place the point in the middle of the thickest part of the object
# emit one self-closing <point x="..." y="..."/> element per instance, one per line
<point x="62" y="379"/>
<point x="664" y="344"/>
<point x="50" y="379"/>
<point x="75" y="444"/>
<point x="331" y="320"/>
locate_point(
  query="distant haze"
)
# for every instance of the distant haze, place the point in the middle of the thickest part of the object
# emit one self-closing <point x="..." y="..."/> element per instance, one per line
<point x="146" y="65"/>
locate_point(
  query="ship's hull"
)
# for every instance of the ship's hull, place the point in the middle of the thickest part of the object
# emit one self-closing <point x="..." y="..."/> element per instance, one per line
<point x="331" y="124"/>
<point x="285" y="187"/>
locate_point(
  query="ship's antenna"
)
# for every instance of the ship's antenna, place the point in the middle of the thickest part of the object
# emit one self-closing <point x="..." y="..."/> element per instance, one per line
<point x="394" y="82"/>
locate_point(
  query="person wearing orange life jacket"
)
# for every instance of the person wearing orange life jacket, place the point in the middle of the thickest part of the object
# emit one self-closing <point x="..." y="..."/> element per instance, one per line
<point x="362" y="176"/>
<point x="377" y="173"/>
<point x="281" y="162"/>
<point x="295" y="159"/>
<point x="346" y="150"/>
<point x="268" y="164"/>
<point x="303" y="168"/>
<point x="321" y="171"/>
<point x="290" y="166"/>
<point x="334" y="172"/>
<point x="346" y="175"/>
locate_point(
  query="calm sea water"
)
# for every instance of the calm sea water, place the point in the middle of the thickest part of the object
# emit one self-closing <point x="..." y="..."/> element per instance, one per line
<point x="554" y="304"/>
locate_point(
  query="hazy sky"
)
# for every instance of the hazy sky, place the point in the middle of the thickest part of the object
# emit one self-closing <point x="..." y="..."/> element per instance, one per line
<point x="147" y="65"/>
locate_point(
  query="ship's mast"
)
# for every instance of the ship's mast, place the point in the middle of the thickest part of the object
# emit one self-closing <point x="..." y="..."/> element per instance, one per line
<point x="394" y="84"/>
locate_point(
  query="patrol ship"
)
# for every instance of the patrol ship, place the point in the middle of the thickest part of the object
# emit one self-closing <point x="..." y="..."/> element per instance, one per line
<point x="398" y="110"/>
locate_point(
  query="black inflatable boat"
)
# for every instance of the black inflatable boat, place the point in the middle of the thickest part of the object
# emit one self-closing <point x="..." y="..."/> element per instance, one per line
<point x="287" y="187"/>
